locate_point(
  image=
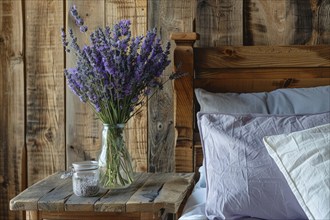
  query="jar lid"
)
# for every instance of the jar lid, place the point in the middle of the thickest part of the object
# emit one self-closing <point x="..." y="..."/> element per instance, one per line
<point x="85" y="165"/>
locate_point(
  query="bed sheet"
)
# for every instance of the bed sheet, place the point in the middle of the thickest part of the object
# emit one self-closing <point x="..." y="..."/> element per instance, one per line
<point x="195" y="206"/>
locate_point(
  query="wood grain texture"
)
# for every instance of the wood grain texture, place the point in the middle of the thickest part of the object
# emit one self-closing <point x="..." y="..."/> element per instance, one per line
<point x="173" y="192"/>
<point x="259" y="85"/>
<point x="95" y="216"/>
<point x="229" y="73"/>
<point x="219" y="22"/>
<point x="136" y="128"/>
<point x="263" y="57"/>
<point x="144" y="198"/>
<point x="54" y="200"/>
<point x="12" y="117"/>
<point x="284" y="22"/>
<point x="115" y="200"/>
<point x="321" y="21"/>
<point x="28" y="199"/>
<point x="45" y="137"/>
<point x="167" y="16"/>
<point x="83" y="128"/>
<point x="225" y="69"/>
<point x="85" y="203"/>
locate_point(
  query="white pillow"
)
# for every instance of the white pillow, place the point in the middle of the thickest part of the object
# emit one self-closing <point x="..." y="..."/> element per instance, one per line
<point x="231" y="102"/>
<point x="304" y="159"/>
<point x="299" y="100"/>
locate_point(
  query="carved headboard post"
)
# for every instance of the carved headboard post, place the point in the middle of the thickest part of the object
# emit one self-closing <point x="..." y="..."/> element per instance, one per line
<point x="184" y="94"/>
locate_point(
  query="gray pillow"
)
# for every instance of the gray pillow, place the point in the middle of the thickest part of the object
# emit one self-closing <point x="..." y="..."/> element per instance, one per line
<point x="242" y="179"/>
<point x="299" y="100"/>
<point x="231" y="102"/>
<point x="281" y="101"/>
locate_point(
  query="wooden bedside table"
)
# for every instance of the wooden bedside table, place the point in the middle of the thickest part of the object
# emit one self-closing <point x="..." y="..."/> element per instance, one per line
<point x="151" y="196"/>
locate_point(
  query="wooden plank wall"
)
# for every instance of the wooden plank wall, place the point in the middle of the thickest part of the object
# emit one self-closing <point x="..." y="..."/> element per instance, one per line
<point x="44" y="128"/>
<point x="12" y="114"/>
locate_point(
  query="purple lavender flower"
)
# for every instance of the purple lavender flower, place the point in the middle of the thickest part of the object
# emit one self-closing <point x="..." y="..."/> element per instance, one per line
<point x="83" y="28"/>
<point x="74" y="11"/>
<point x="78" y="20"/>
<point x="115" y="70"/>
<point x="64" y="41"/>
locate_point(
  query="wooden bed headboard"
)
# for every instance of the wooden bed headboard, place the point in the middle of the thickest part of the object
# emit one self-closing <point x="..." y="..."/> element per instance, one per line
<point x="236" y="69"/>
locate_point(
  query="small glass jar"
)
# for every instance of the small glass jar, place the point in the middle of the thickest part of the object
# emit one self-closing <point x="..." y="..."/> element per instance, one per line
<point x="85" y="178"/>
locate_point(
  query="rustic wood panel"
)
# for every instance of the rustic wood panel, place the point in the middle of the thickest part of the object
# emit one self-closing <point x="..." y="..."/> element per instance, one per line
<point x="263" y="57"/>
<point x="54" y="200"/>
<point x="95" y="216"/>
<point x="219" y="22"/>
<point x="175" y="190"/>
<point x="229" y="73"/>
<point x="30" y="197"/>
<point x="259" y="80"/>
<point x="45" y="136"/>
<point x="144" y="198"/>
<point x="115" y="200"/>
<point x="12" y="151"/>
<point x="168" y="16"/>
<point x="321" y="22"/>
<point x="86" y="203"/>
<point x="83" y="129"/>
<point x="136" y="11"/>
<point x="284" y="22"/>
<point x="259" y="85"/>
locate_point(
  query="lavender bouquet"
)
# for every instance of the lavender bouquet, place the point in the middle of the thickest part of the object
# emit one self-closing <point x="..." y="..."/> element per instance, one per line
<point x="115" y="74"/>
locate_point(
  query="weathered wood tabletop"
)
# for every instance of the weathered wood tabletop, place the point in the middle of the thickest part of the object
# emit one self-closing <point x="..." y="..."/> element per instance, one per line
<point x="149" y="197"/>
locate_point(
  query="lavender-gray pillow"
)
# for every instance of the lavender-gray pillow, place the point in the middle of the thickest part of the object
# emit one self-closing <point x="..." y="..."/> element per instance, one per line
<point x="299" y="100"/>
<point x="231" y="102"/>
<point x="242" y="179"/>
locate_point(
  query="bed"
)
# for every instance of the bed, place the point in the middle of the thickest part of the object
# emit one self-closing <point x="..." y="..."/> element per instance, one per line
<point x="238" y="113"/>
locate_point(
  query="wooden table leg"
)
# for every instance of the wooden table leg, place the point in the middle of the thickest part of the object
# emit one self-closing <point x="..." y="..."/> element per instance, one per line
<point x="32" y="215"/>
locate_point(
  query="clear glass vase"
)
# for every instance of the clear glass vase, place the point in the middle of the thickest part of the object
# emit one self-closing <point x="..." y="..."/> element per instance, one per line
<point x="115" y="163"/>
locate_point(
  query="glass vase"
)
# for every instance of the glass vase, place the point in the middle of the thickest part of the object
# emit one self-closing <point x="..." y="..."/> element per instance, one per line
<point x="115" y="164"/>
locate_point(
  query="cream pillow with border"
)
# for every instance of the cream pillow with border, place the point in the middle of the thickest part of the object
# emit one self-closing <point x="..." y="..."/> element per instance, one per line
<point x="304" y="159"/>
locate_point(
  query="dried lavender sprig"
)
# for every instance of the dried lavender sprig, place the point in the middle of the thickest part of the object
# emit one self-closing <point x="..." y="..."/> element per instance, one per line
<point x="78" y="20"/>
<point x="116" y="69"/>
